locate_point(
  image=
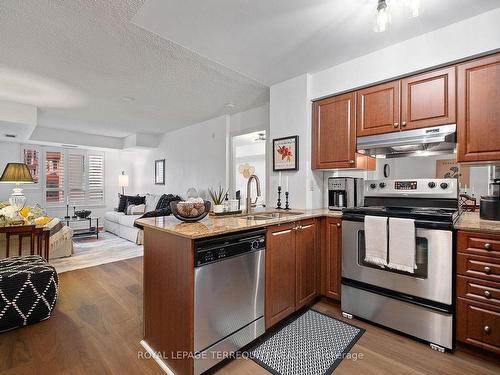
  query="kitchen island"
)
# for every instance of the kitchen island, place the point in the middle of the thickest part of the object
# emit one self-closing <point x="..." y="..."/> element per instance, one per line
<point x="169" y="273"/>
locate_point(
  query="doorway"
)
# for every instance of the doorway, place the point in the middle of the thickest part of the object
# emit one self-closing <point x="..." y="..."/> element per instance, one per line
<point x="248" y="157"/>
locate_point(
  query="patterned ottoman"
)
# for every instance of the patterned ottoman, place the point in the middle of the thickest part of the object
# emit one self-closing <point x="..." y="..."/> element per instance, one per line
<point x="28" y="291"/>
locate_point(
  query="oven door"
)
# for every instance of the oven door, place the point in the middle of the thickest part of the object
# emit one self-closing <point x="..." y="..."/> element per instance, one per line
<point x="432" y="279"/>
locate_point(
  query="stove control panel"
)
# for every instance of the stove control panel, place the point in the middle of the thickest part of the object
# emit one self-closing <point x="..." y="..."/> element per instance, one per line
<point x="405" y="185"/>
<point x="445" y="188"/>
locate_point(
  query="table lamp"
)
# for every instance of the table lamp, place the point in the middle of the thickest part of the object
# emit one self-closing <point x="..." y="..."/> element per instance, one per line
<point x="123" y="181"/>
<point x="17" y="173"/>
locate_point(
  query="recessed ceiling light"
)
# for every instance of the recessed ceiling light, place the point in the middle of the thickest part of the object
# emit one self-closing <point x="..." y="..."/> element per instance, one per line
<point x="229" y="105"/>
<point x="128" y="98"/>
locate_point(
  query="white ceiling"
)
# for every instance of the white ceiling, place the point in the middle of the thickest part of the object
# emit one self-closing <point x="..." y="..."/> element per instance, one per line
<point x="273" y="40"/>
<point x="76" y="60"/>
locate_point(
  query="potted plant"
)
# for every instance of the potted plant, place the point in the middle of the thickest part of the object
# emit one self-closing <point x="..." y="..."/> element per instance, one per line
<point x="217" y="196"/>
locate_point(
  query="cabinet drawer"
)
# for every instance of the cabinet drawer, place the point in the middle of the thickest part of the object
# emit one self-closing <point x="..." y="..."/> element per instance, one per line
<point x="478" y="324"/>
<point x="477" y="266"/>
<point x="479" y="290"/>
<point x="478" y="244"/>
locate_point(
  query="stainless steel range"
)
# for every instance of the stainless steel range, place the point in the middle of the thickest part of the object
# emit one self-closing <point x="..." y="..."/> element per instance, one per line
<point x="417" y="300"/>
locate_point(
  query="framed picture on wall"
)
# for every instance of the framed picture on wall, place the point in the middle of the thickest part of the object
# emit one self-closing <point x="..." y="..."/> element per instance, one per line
<point x="286" y="154"/>
<point x="160" y="172"/>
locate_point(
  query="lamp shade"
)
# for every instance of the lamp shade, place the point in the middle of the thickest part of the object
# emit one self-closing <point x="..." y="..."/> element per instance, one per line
<point x="17" y="173"/>
<point x="123" y="180"/>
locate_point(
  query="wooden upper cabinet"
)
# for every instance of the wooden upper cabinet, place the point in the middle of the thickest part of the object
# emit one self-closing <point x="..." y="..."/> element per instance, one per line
<point x="280" y="273"/>
<point x="478" y="110"/>
<point x="334" y="132"/>
<point x="378" y="109"/>
<point x="428" y="99"/>
<point x="307" y="259"/>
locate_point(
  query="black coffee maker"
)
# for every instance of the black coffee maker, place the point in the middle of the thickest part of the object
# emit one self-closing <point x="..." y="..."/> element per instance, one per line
<point x="489" y="206"/>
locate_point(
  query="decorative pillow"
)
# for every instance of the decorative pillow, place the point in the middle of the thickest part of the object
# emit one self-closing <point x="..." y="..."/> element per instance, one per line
<point x="150" y="202"/>
<point x="133" y="209"/>
<point x="129" y="199"/>
<point x="122" y="202"/>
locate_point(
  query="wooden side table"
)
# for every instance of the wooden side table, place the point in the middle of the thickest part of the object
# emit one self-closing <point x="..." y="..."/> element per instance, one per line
<point x="39" y="239"/>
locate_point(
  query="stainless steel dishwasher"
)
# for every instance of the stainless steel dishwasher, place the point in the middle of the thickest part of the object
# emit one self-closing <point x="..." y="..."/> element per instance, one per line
<point x="229" y="295"/>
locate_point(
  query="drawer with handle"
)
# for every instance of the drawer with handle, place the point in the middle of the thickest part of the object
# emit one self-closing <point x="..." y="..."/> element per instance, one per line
<point x="478" y="266"/>
<point x="478" y="324"/>
<point x="478" y="244"/>
<point x="479" y="290"/>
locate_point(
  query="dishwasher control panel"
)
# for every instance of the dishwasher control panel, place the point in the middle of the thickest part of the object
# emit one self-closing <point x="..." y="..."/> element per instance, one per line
<point x="219" y="248"/>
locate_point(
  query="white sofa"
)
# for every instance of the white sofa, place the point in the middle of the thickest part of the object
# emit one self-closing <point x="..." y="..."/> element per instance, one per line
<point x="123" y="226"/>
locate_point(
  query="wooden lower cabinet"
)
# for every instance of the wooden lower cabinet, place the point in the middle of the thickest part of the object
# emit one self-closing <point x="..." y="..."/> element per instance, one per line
<point x="307" y="249"/>
<point x="291" y="268"/>
<point x="478" y="290"/>
<point x="280" y="273"/>
<point x="331" y="266"/>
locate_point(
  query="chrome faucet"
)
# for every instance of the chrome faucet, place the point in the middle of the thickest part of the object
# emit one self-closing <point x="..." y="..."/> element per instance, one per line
<point x="251" y="204"/>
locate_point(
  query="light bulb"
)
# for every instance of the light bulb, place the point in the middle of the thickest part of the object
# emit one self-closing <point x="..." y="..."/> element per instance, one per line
<point x="383" y="17"/>
<point x="414" y="8"/>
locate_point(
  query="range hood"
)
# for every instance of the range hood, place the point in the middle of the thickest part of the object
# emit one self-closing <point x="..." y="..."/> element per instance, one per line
<point x="418" y="142"/>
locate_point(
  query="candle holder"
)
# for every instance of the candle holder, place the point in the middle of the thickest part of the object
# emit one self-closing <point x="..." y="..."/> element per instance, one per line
<point x="287" y="207"/>
<point x="67" y="212"/>
<point x="278" y="206"/>
<point x="74" y="213"/>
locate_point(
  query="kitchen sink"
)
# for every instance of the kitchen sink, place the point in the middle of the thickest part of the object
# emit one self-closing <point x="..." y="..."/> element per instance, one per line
<point x="272" y="215"/>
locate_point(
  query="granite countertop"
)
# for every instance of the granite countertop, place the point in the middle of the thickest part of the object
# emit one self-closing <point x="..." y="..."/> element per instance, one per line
<point x="212" y="226"/>
<point x="472" y="222"/>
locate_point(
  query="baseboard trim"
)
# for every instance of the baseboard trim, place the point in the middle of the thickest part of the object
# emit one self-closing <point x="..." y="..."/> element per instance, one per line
<point x="157" y="358"/>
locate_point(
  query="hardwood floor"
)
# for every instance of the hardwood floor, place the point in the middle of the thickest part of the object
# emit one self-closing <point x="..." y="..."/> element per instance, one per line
<point x="97" y="326"/>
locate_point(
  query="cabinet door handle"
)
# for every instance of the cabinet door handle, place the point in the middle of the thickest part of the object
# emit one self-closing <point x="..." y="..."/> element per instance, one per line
<point x="487" y="270"/>
<point x="396" y="124"/>
<point x="487" y="246"/>
<point x="338" y="225"/>
<point x="403" y="124"/>
<point x="487" y="294"/>
<point x="351" y="161"/>
<point x="487" y="329"/>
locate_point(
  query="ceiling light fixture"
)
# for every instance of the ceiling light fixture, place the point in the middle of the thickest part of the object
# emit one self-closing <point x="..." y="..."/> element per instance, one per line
<point x="383" y="17"/>
<point x="128" y="98"/>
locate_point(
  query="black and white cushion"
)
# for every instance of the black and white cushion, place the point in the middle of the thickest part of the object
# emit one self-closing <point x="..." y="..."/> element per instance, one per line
<point x="29" y="287"/>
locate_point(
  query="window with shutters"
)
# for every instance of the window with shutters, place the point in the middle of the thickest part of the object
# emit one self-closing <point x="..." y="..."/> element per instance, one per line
<point x="54" y="177"/>
<point x="74" y="177"/>
<point x="96" y="179"/>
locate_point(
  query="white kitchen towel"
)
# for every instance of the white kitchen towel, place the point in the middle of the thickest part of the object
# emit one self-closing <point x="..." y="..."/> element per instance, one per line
<point x="402" y="243"/>
<point x="376" y="240"/>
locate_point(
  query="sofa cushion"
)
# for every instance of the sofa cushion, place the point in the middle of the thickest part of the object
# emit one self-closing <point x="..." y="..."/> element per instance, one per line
<point x="128" y="220"/>
<point x="113" y="216"/>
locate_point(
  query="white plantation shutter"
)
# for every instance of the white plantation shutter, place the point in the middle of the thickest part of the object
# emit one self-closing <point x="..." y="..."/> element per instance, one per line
<point x="73" y="176"/>
<point x="76" y="178"/>
<point x="54" y="177"/>
<point x="96" y="178"/>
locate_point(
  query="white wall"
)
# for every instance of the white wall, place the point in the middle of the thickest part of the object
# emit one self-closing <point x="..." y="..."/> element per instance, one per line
<point x="195" y="156"/>
<point x="469" y="37"/>
<point x="290" y="114"/>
